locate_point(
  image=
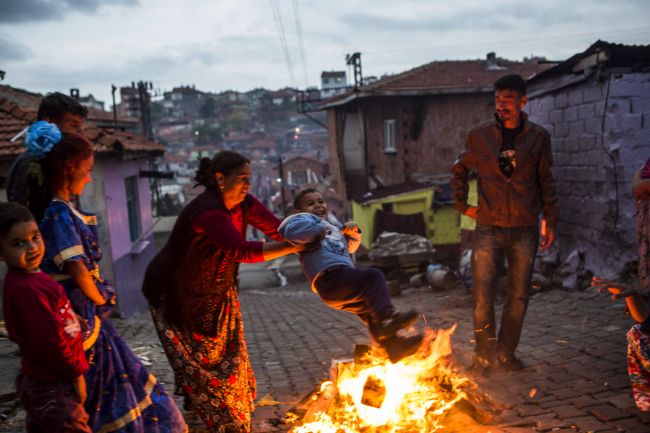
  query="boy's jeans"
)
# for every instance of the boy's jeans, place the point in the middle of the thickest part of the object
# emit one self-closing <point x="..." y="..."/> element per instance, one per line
<point x="490" y="245"/>
<point x="51" y="407"/>
<point x="361" y="291"/>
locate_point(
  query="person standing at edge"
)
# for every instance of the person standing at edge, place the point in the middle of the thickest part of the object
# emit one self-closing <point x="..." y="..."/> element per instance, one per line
<point x="512" y="159"/>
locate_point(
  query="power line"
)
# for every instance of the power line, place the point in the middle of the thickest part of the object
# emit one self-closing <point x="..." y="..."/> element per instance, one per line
<point x="283" y="39"/>
<point x="510" y="42"/>
<point x="296" y="15"/>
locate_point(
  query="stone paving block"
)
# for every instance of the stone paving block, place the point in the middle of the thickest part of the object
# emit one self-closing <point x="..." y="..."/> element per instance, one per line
<point x="567" y="410"/>
<point x="545" y="422"/>
<point x="631" y="425"/>
<point x="560" y="376"/>
<point x="587" y="423"/>
<point x="607" y="412"/>
<point x="520" y="430"/>
<point x="566" y="393"/>
<point x="528" y="410"/>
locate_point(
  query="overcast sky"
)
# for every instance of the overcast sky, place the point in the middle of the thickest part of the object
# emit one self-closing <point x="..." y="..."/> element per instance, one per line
<point x="217" y="45"/>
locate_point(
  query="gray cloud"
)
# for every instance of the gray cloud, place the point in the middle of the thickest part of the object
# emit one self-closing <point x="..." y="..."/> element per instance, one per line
<point x="11" y="50"/>
<point x="18" y="11"/>
<point x="495" y="18"/>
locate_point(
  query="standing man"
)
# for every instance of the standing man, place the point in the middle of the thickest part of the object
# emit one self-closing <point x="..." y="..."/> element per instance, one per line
<point x="512" y="159"/>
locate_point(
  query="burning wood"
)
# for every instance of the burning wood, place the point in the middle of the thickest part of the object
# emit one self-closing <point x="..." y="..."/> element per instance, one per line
<point x="372" y="395"/>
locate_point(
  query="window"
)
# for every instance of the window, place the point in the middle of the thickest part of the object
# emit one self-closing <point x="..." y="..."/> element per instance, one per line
<point x="133" y="206"/>
<point x="300" y="177"/>
<point x="389" y="136"/>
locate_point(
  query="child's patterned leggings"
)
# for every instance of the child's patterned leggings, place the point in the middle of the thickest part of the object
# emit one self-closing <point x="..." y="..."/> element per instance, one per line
<point x="638" y="366"/>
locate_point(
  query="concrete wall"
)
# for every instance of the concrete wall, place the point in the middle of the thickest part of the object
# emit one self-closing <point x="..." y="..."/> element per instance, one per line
<point x="601" y="136"/>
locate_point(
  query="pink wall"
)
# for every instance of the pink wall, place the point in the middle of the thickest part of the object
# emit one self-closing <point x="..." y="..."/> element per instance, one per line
<point x="114" y="172"/>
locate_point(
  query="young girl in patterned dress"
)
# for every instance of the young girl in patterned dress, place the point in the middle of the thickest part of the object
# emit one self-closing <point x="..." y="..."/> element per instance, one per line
<point x="638" y="301"/>
<point x="122" y="395"/>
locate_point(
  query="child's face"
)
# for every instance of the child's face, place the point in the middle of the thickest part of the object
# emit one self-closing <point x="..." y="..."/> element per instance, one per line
<point x="314" y="203"/>
<point x="23" y="246"/>
<point x="79" y="176"/>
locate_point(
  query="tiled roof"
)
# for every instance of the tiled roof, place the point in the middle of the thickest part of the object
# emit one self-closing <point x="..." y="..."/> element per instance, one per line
<point x="14" y="119"/>
<point x="439" y="77"/>
<point x="616" y="55"/>
<point x="263" y="143"/>
<point x="30" y="101"/>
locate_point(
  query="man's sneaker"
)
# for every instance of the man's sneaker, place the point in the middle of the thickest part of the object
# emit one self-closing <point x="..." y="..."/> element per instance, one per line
<point x="509" y="363"/>
<point x="401" y="347"/>
<point x="481" y="365"/>
<point x="388" y="327"/>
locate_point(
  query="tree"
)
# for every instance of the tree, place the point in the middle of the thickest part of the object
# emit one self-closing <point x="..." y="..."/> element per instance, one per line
<point x="237" y="120"/>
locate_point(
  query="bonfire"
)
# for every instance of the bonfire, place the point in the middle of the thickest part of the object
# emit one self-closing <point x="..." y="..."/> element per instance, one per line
<point x="373" y="395"/>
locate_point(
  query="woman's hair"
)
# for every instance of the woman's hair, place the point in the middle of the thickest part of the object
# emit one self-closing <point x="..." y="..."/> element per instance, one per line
<point x="13" y="213"/>
<point x="301" y="194"/>
<point x="224" y="162"/>
<point x="55" y="166"/>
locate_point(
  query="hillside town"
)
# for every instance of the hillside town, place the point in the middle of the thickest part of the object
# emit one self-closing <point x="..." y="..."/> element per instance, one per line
<point x="353" y="256"/>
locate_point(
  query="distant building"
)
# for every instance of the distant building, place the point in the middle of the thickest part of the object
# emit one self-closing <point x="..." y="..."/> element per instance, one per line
<point x="129" y="105"/>
<point x="283" y="96"/>
<point x="333" y="83"/>
<point x="183" y="101"/>
<point x="90" y="102"/>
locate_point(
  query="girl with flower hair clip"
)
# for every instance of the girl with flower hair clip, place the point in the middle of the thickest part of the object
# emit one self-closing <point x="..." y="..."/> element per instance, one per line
<point x="122" y="395"/>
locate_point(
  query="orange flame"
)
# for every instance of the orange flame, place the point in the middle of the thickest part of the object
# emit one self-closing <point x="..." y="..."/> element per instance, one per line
<point x="419" y="390"/>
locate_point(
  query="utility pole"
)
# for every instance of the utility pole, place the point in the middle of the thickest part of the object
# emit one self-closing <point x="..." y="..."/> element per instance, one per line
<point x="281" y="180"/>
<point x="113" y="89"/>
<point x="145" y="114"/>
<point x="354" y="60"/>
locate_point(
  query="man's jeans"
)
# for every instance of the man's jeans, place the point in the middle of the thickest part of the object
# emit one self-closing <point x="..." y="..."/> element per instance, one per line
<point x="490" y="244"/>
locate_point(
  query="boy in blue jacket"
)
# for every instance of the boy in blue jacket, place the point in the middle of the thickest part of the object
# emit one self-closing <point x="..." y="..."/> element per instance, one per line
<point x="340" y="285"/>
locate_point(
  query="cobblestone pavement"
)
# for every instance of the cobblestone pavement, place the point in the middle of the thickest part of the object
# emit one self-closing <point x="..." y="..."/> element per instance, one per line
<point x="573" y="345"/>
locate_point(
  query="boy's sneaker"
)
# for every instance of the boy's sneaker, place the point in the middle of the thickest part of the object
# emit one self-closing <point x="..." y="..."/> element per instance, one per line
<point x="388" y="327"/>
<point x="401" y="347"/>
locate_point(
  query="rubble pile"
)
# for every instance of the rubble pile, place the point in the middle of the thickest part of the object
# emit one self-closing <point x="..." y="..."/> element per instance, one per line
<point x="570" y="274"/>
<point x="396" y="244"/>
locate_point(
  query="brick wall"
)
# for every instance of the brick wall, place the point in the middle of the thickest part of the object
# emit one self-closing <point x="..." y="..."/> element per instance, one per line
<point x="583" y="148"/>
<point x="430" y="133"/>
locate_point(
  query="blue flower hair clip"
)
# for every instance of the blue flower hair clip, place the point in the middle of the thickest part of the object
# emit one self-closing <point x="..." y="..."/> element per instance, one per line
<point x="41" y="137"/>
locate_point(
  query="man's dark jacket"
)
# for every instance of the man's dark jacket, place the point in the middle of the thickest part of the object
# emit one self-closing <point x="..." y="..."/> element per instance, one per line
<point x="508" y="202"/>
